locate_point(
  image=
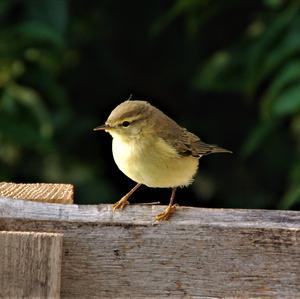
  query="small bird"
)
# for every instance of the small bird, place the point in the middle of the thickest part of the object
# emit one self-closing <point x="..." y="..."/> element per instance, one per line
<point x="153" y="150"/>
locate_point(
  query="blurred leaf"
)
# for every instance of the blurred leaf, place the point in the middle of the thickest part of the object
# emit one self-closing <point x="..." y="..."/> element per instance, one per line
<point x="290" y="198"/>
<point x="273" y="3"/>
<point x="211" y="76"/>
<point x="40" y="32"/>
<point x="288" y="47"/>
<point x="181" y="8"/>
<point x="295" y="127"/>
<point x="9" y="152"/>
<point x="31" y="100"/>
<point x="22" y="134"/>
<point x="52" y="13"/>
<point x="7" y="103"/>
<point x="262" y="48"/>
<point x="289" y="75"/>
<point x="287" y="103"/>
<point x="257" y="137"/>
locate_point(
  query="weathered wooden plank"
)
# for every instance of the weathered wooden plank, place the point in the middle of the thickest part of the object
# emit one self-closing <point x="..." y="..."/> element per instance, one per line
<point x="198" y="253"/>
<point x="30" y="264"/>
<point x="54" y="193"/>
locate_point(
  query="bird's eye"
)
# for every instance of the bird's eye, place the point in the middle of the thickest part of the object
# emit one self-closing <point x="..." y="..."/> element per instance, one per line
<point x="125" y="123"/>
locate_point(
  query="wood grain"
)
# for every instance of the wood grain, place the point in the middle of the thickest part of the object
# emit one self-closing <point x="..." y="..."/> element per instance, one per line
<point x="198" y="253"/>
<point x="55" y="193"/>
<point x="30" y="264"/>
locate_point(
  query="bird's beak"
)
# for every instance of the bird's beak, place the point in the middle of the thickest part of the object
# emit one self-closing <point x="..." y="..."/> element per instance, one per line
<point x="104" y="127"/>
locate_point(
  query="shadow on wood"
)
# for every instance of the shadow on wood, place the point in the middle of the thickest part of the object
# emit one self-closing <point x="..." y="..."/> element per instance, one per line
<point x="197" y="253"/>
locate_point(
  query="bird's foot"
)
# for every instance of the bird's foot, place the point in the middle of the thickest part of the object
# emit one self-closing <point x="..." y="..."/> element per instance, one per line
<point x="119" y="205"/>
<point x="166" y="214"/>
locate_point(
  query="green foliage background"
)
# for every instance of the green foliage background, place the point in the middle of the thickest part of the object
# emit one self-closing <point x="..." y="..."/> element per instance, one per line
<point x="227" y="70"/>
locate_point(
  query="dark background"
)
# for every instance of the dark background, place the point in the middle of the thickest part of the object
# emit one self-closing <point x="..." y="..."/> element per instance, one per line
<point x="229" y="71"/>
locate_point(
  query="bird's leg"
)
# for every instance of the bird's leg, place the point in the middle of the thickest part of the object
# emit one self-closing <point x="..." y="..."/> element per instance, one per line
<point x="165" y="215"/>
<point x="124" y="200"/>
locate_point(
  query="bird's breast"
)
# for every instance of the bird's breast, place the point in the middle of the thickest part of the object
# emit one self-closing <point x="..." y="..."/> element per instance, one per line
<point x="153" y="163"/>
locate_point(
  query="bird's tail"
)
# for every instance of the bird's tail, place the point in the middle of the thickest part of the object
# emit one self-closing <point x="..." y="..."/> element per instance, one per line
<point x="202" y="148"/>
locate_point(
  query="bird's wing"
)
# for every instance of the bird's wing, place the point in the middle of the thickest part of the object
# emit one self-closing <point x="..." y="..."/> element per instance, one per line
<point x="185" y="142"/>
<point x="189" y="144"/>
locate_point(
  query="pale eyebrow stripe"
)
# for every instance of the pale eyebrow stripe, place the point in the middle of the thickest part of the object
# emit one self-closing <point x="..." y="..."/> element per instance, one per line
<point x="130" y="120"/>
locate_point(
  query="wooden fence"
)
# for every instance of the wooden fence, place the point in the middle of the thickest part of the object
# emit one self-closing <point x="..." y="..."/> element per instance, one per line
<point x="52" y="250"/>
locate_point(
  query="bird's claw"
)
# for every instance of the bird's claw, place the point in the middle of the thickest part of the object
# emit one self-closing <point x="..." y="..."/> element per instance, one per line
<point x="166" y="214"/>
<point x="119" y="205"/>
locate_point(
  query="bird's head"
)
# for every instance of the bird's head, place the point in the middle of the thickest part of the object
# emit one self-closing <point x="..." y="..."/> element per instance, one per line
<point x="130" y="119"/>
